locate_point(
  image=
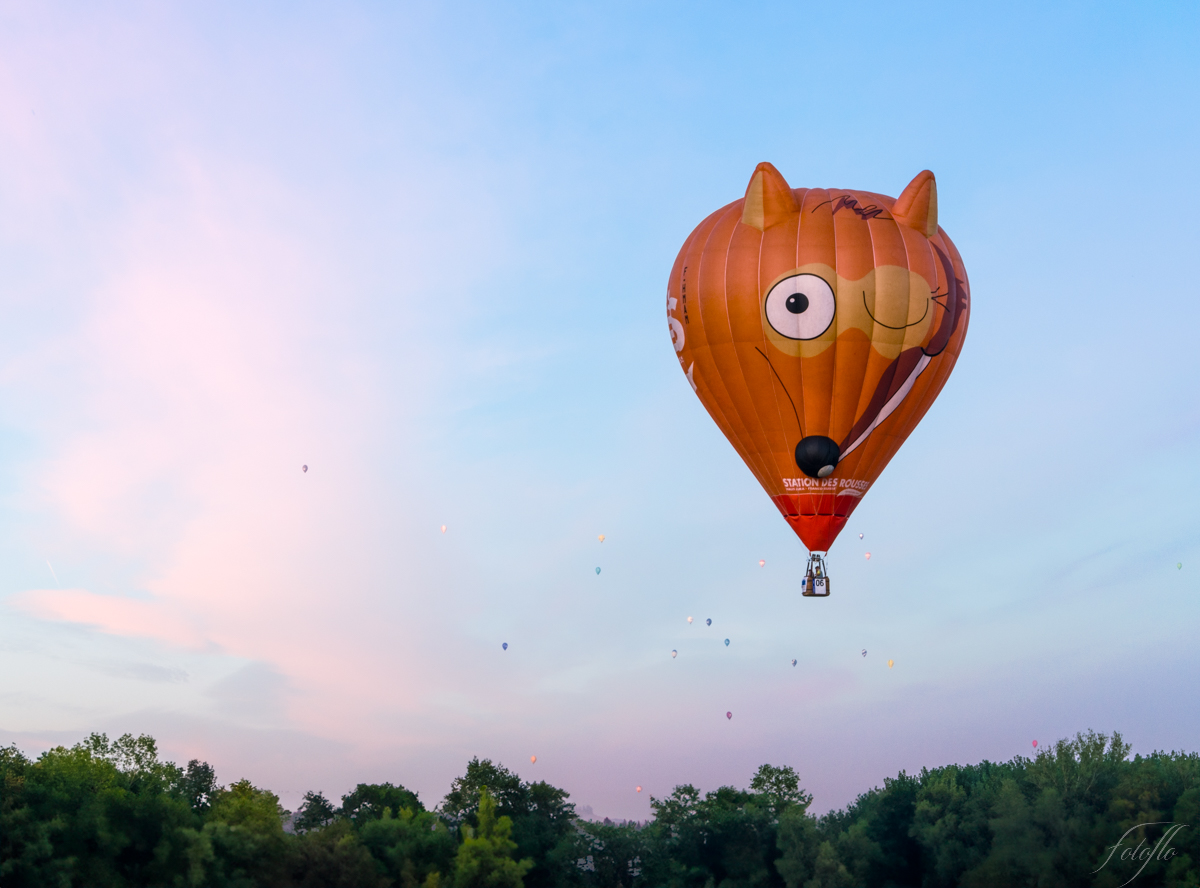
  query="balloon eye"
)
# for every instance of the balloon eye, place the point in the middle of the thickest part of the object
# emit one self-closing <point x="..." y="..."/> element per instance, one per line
<point x="801" y="306"/>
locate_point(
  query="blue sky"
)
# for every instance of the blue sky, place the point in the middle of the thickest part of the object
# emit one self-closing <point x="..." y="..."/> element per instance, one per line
<point x="424" y="251"/>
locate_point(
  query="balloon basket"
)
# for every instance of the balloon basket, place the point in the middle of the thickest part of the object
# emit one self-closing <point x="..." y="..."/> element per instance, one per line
<point x="816" y="577"/>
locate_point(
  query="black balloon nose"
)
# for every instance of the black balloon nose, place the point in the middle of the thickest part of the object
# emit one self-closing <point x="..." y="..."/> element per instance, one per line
<point x="817" y="456"/>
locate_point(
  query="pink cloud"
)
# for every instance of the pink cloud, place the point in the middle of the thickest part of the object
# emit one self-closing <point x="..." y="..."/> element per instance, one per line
<point x="111" y="614"/>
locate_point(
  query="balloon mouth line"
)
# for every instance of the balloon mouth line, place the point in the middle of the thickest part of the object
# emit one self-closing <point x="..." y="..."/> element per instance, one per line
<point x="889" y="326"/>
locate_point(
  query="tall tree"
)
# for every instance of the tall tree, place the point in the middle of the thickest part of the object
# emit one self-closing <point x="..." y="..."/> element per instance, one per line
<point x="485" y="858"/>
<point x="540" y="813"/>
<point x="314" y="812"/>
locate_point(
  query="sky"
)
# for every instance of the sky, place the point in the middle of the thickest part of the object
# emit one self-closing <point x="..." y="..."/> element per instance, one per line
<point x="422" y="249"/>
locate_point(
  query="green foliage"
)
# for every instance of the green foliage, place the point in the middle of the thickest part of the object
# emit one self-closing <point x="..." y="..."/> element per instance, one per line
<point x="315" y="811"/>
<point x="243" y="842"/>
<point x="199" y="785"/>
<point x="730" y="836"/>
<point x="1083" y="812"/>
<point x="100" y="813"/>
<point x="779" y="789"/>
<point x="334" y="857"/>
<point x="602" y="854"/>
<point x="540" y="813"/>
<point x="368" y="801"/>
<point x="485" y="858"/>
<point x="413" y="847"/>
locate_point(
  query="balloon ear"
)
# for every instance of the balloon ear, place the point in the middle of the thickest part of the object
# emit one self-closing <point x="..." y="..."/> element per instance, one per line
<point x="917" y="206"/>
<point x="769" y="199"/>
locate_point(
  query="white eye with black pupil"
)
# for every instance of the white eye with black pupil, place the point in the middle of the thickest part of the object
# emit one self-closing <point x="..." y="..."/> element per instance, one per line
<point x="801" y="306"/>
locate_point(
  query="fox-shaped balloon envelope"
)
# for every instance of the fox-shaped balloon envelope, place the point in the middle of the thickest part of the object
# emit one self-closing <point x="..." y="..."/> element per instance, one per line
<point x="817" y="325"/>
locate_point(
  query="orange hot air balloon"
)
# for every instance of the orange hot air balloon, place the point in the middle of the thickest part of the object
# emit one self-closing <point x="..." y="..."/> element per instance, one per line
<point x="817" y="326"/>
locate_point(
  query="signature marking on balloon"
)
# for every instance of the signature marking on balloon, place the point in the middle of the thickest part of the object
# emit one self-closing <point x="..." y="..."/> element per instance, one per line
<point x="846" y="202"/>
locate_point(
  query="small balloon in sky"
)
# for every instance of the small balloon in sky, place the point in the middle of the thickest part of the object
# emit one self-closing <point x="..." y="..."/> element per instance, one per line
<point x="729" y="715"/>
<point x="532" y="759"/>
<point x="674" y="654"/>
<point x="727" y="642"/>
<point x="689" y="619"/>
<point x="639" y="789"/>
<point x="304" y="469"/>
<point x="443" y="528"/>
<point x="860" y="536"/>
<point x="601" y="537"/>
<point x="708" y="622"/>
<point x="597" y="570"/>
<point x="867" y="556"/>
<point x="793" y="662"/>
<point x="890" y="662"/>
<point x="1035" y="744"/>
<point x="864" y="653"/>
<point x="505" y="645"/>
<point x="762" y="563"/>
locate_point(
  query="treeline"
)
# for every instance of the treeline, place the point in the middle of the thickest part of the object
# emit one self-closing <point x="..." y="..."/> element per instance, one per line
<point x="109" y="813"/>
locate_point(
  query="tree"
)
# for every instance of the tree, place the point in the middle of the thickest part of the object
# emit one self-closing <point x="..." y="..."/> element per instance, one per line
<point x="540" y="813"/>
<point x="951" y="818"/>
<point x="779" y="789"/>
<point x="602" y="855"/>
<point x="798" y="842"/>
<point x="314" y="812"/>
<point x="485" y="858"/>
<point x="505" y="788"/>
<point x="102" y="812"/>
<point x="728" y="836"/>
<point x="368" y="801"/>
<point x="334" y="857"/>
<point x="243" y="842"/>
<point x="198" y="785"/>
<point x="414" y="847"/>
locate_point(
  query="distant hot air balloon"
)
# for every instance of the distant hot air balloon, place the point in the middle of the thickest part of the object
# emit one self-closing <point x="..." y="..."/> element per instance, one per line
<point x="761" y="563"/>
<point x="729" y="715"/>
<point x="860" y="536"/>
<point x="1179" y="566"/>
<point x="864" y="653"/>
<point x="504" y="645"/>
<point x="817" y="326"/>
<point x="674" y="654"/>
<point x="708" y="622"/>
<point x="793" y="662"/>
<point x="601" y="537"/>
<point x="867" y="556"/>
<point x="1035" y="744"/>
<point x="443" y="528"/>
<point x="639" y="789"/>
<point x="304" y="469"/>
<point x="727" y="642"/>
<point x="597" y="570"/>
<point x="532" y="759"/>
<point x="689" y="619"/>
<point x="890" y="662"/>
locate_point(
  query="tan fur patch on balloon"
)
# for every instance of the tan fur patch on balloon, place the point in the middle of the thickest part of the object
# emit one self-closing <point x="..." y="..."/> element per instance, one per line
<point x="890" y="304"/>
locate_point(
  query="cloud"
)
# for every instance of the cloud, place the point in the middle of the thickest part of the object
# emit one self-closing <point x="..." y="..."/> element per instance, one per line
<point x="143" y="672"/>
<point x="110" y="613"/>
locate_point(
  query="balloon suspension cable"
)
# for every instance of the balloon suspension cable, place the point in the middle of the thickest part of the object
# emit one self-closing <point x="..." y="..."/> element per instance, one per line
<point x="816" y="577"/>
